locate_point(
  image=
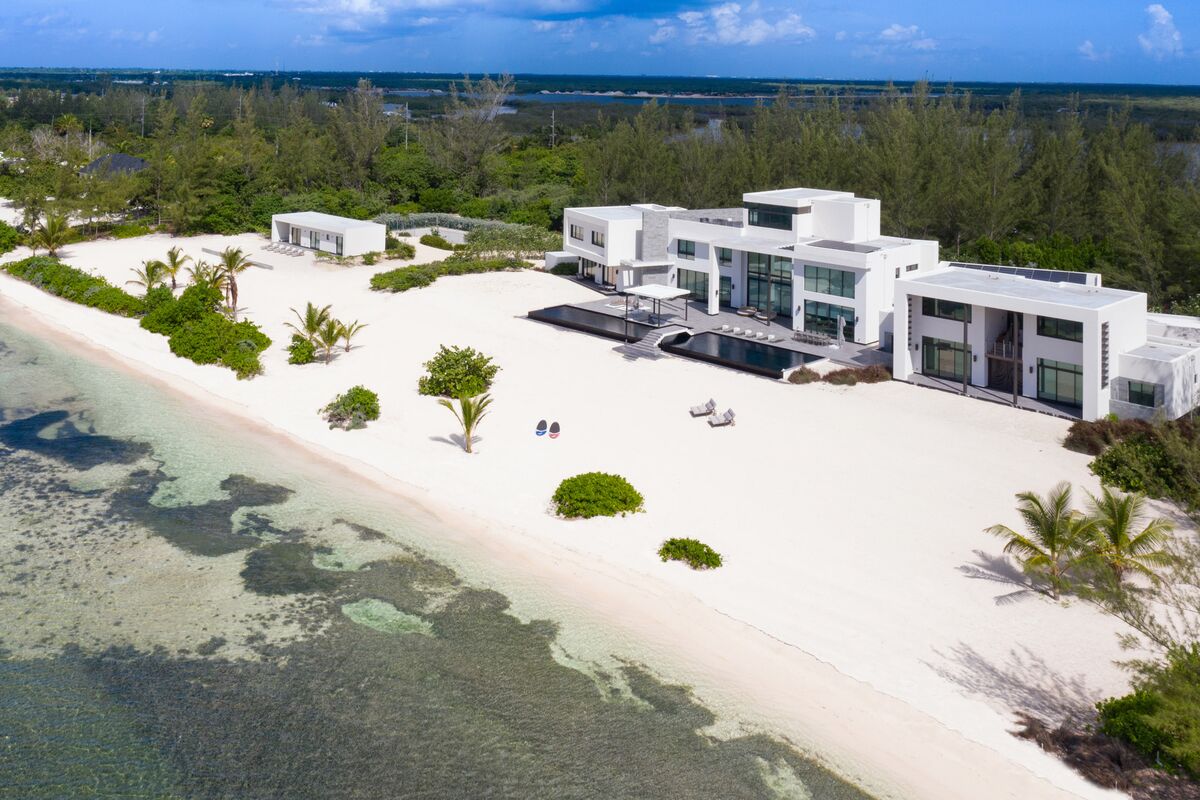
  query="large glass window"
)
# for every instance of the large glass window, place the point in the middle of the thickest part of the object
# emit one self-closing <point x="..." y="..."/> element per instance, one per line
<point x="577" y="232"/>
<point x="685" y="249"/>
<point x="945" y="309"/>
<point x="724" y="256"/>
<point x="838" y="282"/>
<point x="1142" y="393"/>
<point x="598" y="238"/>
<point x="769" y="283"/>
<point x="778" y="217"/>
<point x="1060" y="328"/>
<point x="725" y="291"/>
<point x="823" y="318"/>
<point x="942" y="358"/>
<point x="694" y="281"/>
<point x="1060" y="382"/>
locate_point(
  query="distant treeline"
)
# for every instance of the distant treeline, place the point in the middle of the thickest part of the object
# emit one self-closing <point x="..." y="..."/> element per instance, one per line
<point x="1071" y="189"/>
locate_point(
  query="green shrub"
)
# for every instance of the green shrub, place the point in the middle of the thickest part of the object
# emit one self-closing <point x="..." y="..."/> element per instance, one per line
<point x="803" y="375"/>
<point x="353" y="409"/>
<point x="596" y="494"/>
<point x="402" y="250"/>
<point x="1137" y="464"/>
<point x="851" y="376"/>
<point x="244" y="361"/>
<point x="457" y="372"/>
<point x="51" y="275"/>
<point x="10" y="237"/>
<point x="157" y="297"/>
<point x="436" y="240"/>
<point x="1091" y="438"/>
<point x="301" y="350"/>
<point x="1161" y="719"/>
<point x="405" y="278"/>
<point x="564" y="269"/>
<point x="128" y="230"/>
<point x="213" y="339"/>
<point x="169" y="315"/>
<point x="694" y="553"/>
<point x="370" y="259"/>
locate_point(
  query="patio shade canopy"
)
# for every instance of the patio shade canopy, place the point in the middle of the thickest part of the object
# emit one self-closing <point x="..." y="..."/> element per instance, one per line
<point x="657" y="291"/>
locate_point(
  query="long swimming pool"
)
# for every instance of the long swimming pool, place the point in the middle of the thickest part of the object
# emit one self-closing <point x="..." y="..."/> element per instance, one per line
<point x="748" y="355"/>
<point x="581" y="319"/>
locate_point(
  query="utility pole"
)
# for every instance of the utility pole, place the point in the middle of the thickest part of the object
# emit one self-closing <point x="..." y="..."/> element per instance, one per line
<point x="406" y="118"/>
<point x="143" y="116"/>
<point x="553" y="132"/>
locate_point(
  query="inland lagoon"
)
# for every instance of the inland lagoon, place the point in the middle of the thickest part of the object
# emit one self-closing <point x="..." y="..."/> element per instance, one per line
<point x="185" y="615"/>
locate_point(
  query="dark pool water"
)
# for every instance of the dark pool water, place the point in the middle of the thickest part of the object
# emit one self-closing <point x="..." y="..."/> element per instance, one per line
<point x="594" y="322"/>
<point x="747" y="355"/>
<point x="180" y="620"/>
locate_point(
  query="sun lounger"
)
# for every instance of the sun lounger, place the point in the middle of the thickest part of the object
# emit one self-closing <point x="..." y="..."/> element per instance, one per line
<point x="706" y="410"/>
<point x="725" y="328"/>
<point x="716" y="421"/>
<point x="772" y="337"/>
<point x="737" y="331"/>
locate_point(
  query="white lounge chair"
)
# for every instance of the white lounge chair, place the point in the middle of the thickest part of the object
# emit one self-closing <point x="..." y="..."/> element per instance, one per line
<point x="749" y="333"/>
<point x="772" y="337"/>
<point x="725" y="328"/>
<point x="760" y="335"/>
<point x="722" y="420"/>
<point x="705" y="410"/>
<point x="737" y="331"/>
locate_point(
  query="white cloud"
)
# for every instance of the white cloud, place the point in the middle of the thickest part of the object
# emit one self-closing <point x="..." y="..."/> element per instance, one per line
<point x="899" y="33"/>
<point x="925" y="44"/>
<point x="662" y="33"/>
<point x="840" y="36"/>
<point x="1088" y="52"/>
<point x="137" y="37"/>
<point x="732" y="24"/>
<point x="1162" y="39"/>
<point x="566" y="29"/>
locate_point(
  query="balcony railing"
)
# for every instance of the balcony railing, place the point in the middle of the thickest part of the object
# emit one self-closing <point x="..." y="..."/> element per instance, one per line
<point x="1003" y="349"/>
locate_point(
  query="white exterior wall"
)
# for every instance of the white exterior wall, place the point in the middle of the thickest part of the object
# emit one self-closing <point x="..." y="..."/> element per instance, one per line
<point x="1178" y="377"/>
<point x="620" y="237"/>
<point x="363" y="237"/>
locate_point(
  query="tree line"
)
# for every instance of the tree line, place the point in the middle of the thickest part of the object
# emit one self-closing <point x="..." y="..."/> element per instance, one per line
<point x="990" y="184"/>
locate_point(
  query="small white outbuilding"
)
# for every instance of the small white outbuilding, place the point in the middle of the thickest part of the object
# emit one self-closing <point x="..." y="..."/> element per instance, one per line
<point x="327" y="233"/>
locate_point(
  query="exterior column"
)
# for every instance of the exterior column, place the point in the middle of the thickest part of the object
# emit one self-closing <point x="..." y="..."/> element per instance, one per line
<point x="714" y="283"/>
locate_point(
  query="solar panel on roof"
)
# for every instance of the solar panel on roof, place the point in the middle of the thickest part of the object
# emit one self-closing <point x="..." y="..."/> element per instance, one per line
<point x="1048" y="275"/>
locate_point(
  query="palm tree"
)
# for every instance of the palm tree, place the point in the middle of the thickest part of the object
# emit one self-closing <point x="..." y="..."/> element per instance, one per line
<point x="470" y="412"/>
<point x="203" y="272"/>
<point x="174" y="263"/>
<point x="1116" y="517"/>
<point x="328" y="337"/>
<point x="349" y="332"/>
<point x="152" y="273"/>
<point x="51" y="234"/>
<point x="233" y="263"/>
<point x="1057" y="540"/>
<point x="310" y="321"/>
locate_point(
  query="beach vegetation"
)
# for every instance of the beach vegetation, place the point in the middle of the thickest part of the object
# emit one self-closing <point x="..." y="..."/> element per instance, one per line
<point x="308" y="325"/>
<point x="596" y="494"/>
<point x="457" y="372"/>
<point x="232" y="264"/>
<point x="10" y="238"/>
<point x="1124" y="540"/>
<point x="168" y="314"/>
<point x="213" y="338"/>
<point x="693" y="552"/>
<point x="151" y="274"/>
<point x="301" y="350"/>
<point x="173" y="265"/>
<point x="469" y="411"/>
<point x="564" y="269"/>
<point x="349" y="331"/>
<point x="130" y="230"/>
<point x="1160" y="459"/>
<point x="511" y="241"/>
<point x="397" y="249"/>
<point x="804" y="375"/>
<point x="850" y="376"/>
<point x="69" y="283"/>
<point x="328" y="336"/>
<point x="435" y="239"/>
<point x="404" y="278"/>
<point x="352" y="409"/>
<point x="1055" y="544"/>
<point x="51" y="235"/>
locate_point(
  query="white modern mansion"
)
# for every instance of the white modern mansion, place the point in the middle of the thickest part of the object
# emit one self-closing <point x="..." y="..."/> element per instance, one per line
<point x="817" y="259"/>
<point x="326" y="233"/>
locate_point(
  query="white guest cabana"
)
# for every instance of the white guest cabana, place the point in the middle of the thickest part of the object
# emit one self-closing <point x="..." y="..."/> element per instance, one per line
<point x="326" y="233"/>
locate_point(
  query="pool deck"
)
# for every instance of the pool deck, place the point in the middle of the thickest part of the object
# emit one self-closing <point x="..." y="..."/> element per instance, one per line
<point x="995" y="396"/>
<point x="699" y="321"/>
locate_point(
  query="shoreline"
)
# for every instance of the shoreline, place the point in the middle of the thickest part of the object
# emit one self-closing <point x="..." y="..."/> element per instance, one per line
<point x="873" y="738"/>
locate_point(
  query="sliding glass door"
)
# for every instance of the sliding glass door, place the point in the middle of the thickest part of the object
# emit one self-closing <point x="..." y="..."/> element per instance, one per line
<point x="769" y="283"/>
<point x="941" y="358"/>
<point x="1060" y="382"/>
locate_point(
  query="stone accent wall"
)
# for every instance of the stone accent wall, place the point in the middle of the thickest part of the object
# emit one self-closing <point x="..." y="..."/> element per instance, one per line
<point x="655" y="235"/>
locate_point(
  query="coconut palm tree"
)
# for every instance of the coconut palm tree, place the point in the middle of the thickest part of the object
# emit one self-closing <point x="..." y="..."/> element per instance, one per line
<point x="310" y="322"/>
<point x="328" y="337"/>
<point x="233" y="263"/>
<point x="203" y="272"/>
<point x="1058" y="537"/>
<point x="51" y="235"/>
<point x="349" y="332"/>
<point x="152" y="273"/>
<point x="174" y="264"/>
<point x="470" y="412"/>
<point x="1122" y="550"/>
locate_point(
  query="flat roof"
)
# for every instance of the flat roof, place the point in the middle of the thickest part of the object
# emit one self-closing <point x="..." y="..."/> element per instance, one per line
<point x="792" y="197"/>
<point x="1063" y="294"/>
<point x="1160" y="351"/>
<point x="324" y="222"/>
<point x="658" y="291"/>
<point x="610" y="213"/>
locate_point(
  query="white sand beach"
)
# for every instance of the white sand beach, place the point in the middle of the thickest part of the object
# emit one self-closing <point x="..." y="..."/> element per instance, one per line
<point x="849" y="613"/>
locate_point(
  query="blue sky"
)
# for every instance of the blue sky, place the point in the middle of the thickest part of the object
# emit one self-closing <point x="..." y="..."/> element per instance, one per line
<point x="1051" y="40"/>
